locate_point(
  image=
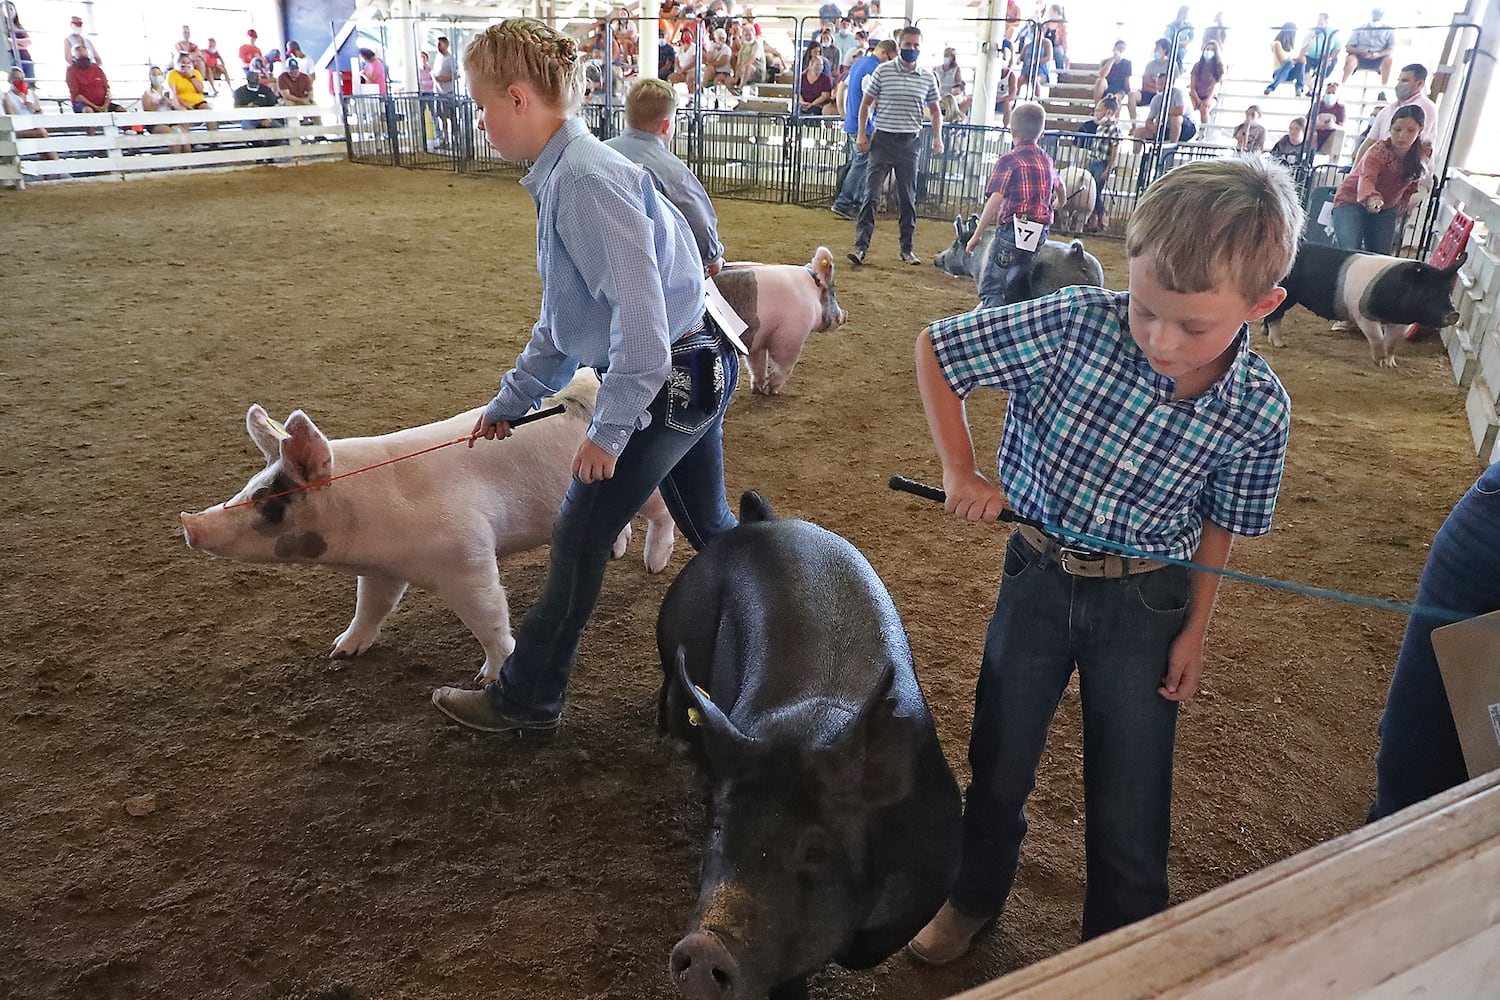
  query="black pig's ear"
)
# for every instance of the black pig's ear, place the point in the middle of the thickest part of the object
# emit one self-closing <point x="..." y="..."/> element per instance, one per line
<point x="882" y="743"/>
<point x="1457" y="263"/>
<point x="722" y="742"/>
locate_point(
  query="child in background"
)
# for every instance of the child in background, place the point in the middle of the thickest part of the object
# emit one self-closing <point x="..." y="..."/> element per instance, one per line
<point x="622" y="291"/>
<point x="1250" y="135"/>
<point x="650" y="119"/>
<point x="1142" y="422"/>
<point x="1024" y="185"/>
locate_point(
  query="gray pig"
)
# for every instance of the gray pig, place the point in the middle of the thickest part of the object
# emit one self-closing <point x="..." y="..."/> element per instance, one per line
<point x="1058" y="265"/>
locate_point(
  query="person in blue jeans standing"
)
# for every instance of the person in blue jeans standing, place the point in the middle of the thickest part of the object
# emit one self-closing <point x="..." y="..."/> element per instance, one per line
<point x="622" y="291"/>
<point x="851" y="193"/>
<point x="1419" y="752"/>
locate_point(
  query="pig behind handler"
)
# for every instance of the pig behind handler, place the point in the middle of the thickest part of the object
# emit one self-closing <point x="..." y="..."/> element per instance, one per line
<point x="1380" y="295"/>
<point x="834" y="819"/>
<point x="439" y="520"/>
<point x="783" y="304"/>
<point x="1057" y="265"/>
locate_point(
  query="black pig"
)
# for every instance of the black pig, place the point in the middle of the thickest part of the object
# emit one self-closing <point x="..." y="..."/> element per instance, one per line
<point x="834" y="820"/>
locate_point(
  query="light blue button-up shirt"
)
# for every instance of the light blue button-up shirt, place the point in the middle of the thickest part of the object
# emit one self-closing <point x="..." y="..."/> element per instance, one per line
<point x="621" y="281"/>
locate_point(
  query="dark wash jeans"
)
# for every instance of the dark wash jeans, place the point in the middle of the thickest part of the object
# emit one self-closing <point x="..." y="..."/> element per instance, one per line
<point x="891" y="152"/>
<point x="1419" y="752"/>
<point x="1008" y="268"/>
<point x="688" y="464"/>
<point x="1116" y="633"/>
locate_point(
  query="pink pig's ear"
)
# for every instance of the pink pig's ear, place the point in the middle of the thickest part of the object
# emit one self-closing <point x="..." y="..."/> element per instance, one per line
<point x="822" y="266"/>
<point x="305" y="455"/>
<point x="265" y="432"/>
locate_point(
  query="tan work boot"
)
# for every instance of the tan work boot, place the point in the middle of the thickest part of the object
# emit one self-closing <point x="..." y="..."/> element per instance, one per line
<point x="947" y="936"/>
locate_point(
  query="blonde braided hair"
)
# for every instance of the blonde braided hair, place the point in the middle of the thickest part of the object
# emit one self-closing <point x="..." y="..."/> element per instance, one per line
<point x="526" y="50"/>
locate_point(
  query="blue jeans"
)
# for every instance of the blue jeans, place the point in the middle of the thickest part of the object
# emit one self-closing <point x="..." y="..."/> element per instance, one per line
<point x="682" y="451"/>
<point x="1116" y="633"/>
<point x="1290" y="70"/>
<point x="891" y="152"/>
<point x="1419" y="751"/>
<point x="1007" y="270"/>
<point x="852" y="195"/>
<point x="1357" y="228"/>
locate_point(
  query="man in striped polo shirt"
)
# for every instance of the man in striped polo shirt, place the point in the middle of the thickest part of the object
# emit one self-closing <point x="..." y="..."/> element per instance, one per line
<point x="896" y="92"/>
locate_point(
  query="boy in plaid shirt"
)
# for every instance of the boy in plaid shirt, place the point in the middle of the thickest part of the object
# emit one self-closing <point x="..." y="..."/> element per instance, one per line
<point x="1025" y="184"/>
<point x="1142" y="420"/>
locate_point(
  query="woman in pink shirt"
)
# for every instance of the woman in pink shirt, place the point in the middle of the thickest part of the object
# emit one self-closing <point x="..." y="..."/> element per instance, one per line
<point x="373" y="70"/>
<point x="1372" y="200"/>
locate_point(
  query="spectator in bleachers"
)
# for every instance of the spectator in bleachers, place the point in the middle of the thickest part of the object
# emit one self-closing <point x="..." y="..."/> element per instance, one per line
<point x="950" y="77"/>
<point x="1103" y="144"/>
<point x="1152" y="76"/>
<point x="1408" y="94"/>
<point x="1320" y="48"/>
<point x="216" y="69"/>
<point x="851" y="194"/>
<point x="20" y="99"/>
<point x="76" y="39"/>
<point x="1005" y="79"/>
<point x="186" y="46"/>
<point x="160" y="97"/>
<point x="22" y="41"/>
<point x="845" y="41"/>
<point x="1286" y="57"/>
<point x="1250" y="134"/>
<point x="88" y="86"/>
<point x="685" y="61"/>
<point x="296" y="86"/>
<point x="859" y="12"/>
<point x="1055" y="28"/>
<point x="1370" y="48"/>
<point x="627" y="36"/>
<point x="650" y="118"/>
<point x="750" y="60"/>
<point x="1369" y="204"/>
<point x="814" y="86"/>
<point x="1217" y="33"/>
<point x="271" y="68"/>
<point x="1034" y="53"/>
<point x="255" y="94"/>
<point x="1169" y="110"/>
<point x="250" y="49"/>
<point x="188" y="86"/>
<point x="1291" y="149"/>
<point x="294" y="51"/>
<point x="1180" y="31"/>
<point x="1024" y="185"/>
<point x="718" y="58"/>
<point x="859" y="50"/>
<point x="1330" y="116"/>
<point x="372" y="70"/>
<point x="1205" y="78"/>
<point x="1114" y="75"/>
<point x="829" y="13"/>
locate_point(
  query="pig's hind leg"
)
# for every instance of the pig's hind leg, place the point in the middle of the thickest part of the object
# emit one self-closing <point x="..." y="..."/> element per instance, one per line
<point x="375" y="598"/>
<point x="661" y="533"/>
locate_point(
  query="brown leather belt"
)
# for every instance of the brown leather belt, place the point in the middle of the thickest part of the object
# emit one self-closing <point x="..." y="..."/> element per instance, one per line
<point x="1082" y="562"/>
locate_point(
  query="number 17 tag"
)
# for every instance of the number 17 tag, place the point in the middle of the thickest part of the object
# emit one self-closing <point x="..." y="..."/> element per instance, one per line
<point x="1028" y="233"/>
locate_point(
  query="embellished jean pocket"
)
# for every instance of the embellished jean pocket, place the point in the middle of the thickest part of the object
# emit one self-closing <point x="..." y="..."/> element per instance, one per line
<point x="695" y="388"/>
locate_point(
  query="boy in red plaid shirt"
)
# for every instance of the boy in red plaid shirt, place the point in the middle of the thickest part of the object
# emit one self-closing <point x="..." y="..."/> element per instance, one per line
<point x="1025" y="185"/>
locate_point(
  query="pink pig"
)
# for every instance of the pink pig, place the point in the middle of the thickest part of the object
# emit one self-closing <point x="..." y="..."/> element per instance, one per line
<point x="439" y="520"/>
<point x="783" y="303"/>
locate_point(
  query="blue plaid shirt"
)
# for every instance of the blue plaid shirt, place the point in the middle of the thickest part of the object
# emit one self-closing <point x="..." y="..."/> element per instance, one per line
<point x="1094" y="443"/>
<point x="621" y="282"/>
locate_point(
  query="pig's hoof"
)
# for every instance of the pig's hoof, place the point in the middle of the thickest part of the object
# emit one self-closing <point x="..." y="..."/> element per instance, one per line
<point x="349" y="644"/>
<point x="621" y="544"/>
<point x="486" y="675"/>
<point x="1275" y="340"/>
<point x="658" y="555"/>
<point x="760" y="389"/>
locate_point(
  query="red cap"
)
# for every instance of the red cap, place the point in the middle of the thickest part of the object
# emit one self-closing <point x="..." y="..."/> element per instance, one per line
<point x="252" y="33"/>
<point x="77" y="20"/>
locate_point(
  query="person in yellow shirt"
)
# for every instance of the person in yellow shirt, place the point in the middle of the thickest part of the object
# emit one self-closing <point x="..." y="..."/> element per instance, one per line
<point x="187" y="83"/>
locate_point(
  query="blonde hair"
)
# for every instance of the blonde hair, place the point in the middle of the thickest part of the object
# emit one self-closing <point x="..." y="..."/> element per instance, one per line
<point x="649" y="103"/>
<point x="1028" y="120"/>
<point x="1207" y="223"/>
<point x="521" y="49"/>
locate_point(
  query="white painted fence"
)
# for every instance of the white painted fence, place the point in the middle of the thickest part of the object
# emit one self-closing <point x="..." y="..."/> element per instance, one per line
<point x="1474" y="343"/>
<point x="123" y="143"/>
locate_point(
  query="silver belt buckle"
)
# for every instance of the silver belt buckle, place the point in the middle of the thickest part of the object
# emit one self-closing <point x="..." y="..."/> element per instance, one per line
<point x="1069" y="558"/>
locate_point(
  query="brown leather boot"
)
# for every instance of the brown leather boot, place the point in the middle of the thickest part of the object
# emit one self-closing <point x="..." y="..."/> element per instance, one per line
<point x="947" y="936"/>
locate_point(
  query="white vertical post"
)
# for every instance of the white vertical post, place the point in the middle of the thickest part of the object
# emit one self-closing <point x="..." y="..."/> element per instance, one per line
<point x="1481" y="76"/>
<point x="982" y="111"/>
<point x="650" y="33"/>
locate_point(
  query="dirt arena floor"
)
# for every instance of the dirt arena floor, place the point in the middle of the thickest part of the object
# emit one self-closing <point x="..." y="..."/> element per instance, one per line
<point x="197" y="802"/>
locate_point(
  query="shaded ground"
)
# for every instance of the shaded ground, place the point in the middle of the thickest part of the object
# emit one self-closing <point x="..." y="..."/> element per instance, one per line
<point x="318" y="830"/>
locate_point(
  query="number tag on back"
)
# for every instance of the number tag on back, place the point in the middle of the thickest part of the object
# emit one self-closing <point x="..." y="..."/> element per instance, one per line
<point x="1028" y="233"/>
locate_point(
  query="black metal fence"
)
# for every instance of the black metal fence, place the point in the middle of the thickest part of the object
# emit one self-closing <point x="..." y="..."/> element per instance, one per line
<point x="782" y="158"/>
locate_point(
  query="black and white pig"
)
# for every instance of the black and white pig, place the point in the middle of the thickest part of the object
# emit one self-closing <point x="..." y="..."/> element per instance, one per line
<point x="1057" y="265"/>
<point x="1380" y="295"/>
<point x="833" y="817"/>
<point x="784" y="304"/>
<point x="439" y="520"/>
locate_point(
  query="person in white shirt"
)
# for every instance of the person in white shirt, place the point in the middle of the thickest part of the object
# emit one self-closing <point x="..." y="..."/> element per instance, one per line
<point x="20" y="99"/>
<point x="1408" y="91"/>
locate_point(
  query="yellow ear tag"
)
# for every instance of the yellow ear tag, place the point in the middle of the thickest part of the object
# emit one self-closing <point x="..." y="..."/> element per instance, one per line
<point x="695" y="717"/>
<point x="276" y="428"/>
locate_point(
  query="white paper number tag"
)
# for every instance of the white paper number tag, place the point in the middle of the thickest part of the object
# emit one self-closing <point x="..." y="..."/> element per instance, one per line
<point x="727" y="319"/>
<point x="1028" y="233"/>
<point x="1325" y="215"/>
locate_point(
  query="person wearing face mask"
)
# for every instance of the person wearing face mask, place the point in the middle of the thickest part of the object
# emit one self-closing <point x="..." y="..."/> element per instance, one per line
<point x="1207" y="75"/>
<point x="77" y="39"/>
<point x="88" y="86"/>
<point x="1408" y="95"/>
<point x="20" y="99"/>
<point x="159" y="97"/>
<point x="896" y="94"/>
<point x="954" y="102"/>
<point x="1370" y="203"/>
<point x="216" y="69"/>
<point x="1331" y="114"/>
<point x="1370" y="48"/>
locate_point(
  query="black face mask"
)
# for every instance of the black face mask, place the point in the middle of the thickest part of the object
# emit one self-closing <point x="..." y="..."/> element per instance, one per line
<point x="83" y="63"/>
